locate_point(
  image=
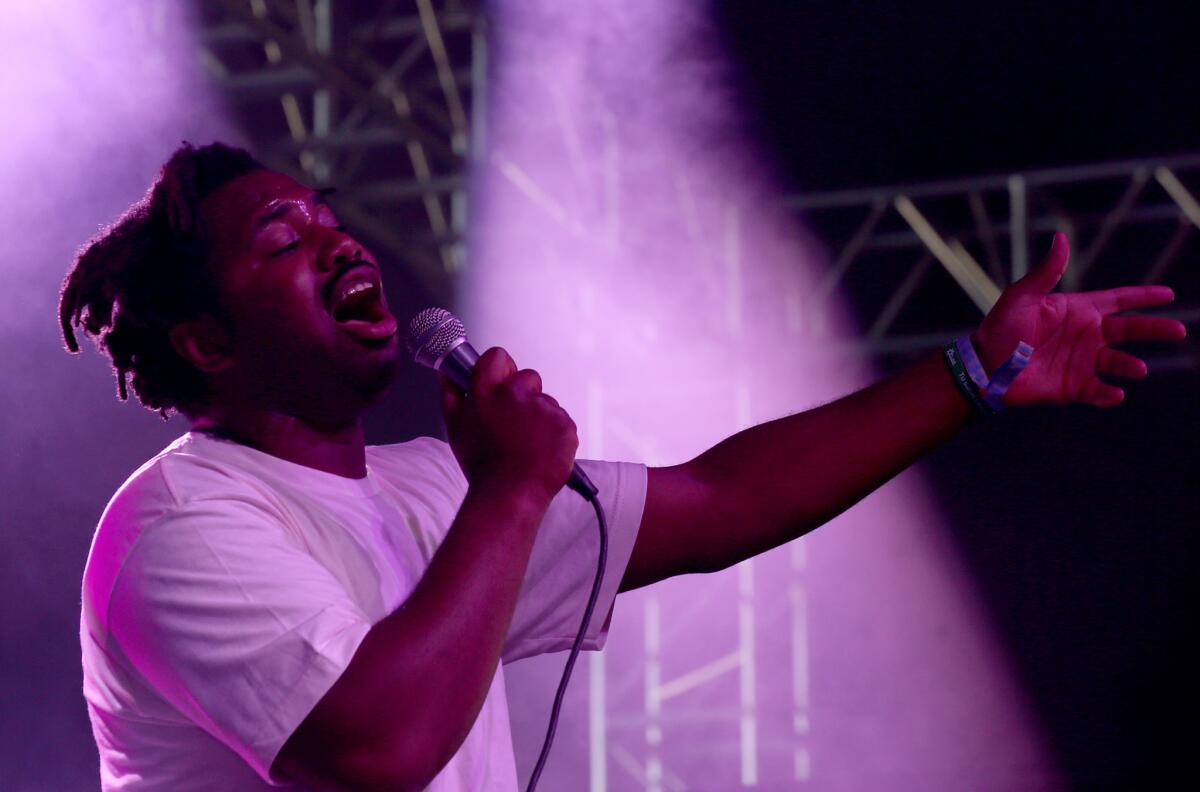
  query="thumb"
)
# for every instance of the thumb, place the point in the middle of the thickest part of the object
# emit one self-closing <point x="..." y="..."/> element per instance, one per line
<point x="1045" y="276"/>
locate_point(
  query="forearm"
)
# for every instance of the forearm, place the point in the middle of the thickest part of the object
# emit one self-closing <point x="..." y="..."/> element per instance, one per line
<point x="776" y="481"/>
<point x="418" y="680"/>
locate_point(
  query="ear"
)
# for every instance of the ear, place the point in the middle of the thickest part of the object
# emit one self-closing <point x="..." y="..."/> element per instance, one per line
<point x="204" y="343"/>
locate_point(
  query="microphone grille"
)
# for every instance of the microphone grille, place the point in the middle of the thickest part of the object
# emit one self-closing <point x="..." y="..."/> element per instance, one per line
<point x="432" y="333"/>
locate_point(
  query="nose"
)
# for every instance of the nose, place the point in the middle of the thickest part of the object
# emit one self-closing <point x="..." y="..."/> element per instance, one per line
<point x="341" y="251"/>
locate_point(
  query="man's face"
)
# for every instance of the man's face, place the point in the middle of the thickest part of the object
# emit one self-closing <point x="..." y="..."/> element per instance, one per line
<point x="312" y="336"/>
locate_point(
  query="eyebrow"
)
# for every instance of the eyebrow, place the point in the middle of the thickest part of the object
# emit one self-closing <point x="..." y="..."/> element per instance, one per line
<point x="316" y="197"/>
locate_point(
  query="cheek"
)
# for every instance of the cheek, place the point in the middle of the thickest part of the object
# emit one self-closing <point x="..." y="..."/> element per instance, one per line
<point x="281" y="307"/>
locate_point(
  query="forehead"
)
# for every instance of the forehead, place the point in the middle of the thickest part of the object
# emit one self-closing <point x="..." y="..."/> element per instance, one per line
<point x="231" y="209"/>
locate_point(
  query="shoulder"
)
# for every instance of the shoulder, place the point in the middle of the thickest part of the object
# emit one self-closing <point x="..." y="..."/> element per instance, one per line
<point x="187" y="471"/>
<point x="180" y="485"/>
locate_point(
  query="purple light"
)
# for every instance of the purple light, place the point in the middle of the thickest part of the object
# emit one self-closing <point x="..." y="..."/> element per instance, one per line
<point x="95" y="96"/>
<point x="628" y="245"/>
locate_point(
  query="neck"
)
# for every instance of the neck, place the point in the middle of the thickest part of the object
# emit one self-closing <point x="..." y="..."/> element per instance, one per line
<point x="339" y="449"/>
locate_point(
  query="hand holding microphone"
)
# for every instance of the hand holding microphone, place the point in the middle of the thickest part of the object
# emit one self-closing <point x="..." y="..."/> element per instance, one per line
<point x="502" y="427"/>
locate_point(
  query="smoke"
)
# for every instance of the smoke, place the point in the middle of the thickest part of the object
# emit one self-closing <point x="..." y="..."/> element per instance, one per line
<point x="629" y="245"/>
<point x="96" y="95"/>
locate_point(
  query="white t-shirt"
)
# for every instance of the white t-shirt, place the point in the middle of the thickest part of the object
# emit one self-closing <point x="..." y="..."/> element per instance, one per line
<point x="226" y="591"/>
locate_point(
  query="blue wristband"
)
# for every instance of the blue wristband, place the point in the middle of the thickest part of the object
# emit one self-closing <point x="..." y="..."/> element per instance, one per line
<point x="993" y="389"/>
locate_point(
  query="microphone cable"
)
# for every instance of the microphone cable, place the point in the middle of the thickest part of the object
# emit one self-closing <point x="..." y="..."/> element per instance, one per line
<point x="587" y="618"/>
<point x="437" y="339"/>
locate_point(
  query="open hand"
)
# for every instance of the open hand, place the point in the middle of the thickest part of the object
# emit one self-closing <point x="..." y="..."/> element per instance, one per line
<point x="1072" y="335"/>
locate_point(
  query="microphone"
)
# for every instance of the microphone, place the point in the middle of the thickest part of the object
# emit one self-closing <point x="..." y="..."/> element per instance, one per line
<point x="438" y="339"/>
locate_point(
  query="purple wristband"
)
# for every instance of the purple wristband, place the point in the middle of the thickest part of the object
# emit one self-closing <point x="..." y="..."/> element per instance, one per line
<point x="967" y="352"/>
<point x="994" y="388"/>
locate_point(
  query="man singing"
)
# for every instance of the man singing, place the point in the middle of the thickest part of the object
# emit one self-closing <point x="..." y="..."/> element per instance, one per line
<point x="271" y="602"/>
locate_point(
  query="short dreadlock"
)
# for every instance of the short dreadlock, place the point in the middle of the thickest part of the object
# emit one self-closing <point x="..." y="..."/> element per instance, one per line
<point x="148" y="272"/>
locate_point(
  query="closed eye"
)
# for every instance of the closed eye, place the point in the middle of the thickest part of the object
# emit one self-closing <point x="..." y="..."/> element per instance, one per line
<point x="285" y="249"/>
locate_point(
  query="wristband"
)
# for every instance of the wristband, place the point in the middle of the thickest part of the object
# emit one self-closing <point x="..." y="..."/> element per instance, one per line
<point x="1004" y="375"/>
<point x="991" y="390"/>
<point x="966" y="351"/>
<point x="958" y="372"/>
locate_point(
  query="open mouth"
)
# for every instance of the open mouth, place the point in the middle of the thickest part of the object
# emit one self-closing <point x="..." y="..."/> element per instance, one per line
<point x="356" y="304"/>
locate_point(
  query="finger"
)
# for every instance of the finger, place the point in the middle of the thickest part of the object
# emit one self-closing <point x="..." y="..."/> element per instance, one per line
<point x="525" y="381"/>
<point x="493" y="367"/>
<point x="452" y="398"/>
<point x="1099" y="394"/>
<point x="1132" y="298"/>
<point x="1124" y="329"/>
<point x="1114" y="363"/>
<point x="1045" y="276"/>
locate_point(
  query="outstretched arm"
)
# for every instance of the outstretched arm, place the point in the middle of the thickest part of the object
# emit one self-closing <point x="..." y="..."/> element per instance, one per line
<point x="774" y="482"/>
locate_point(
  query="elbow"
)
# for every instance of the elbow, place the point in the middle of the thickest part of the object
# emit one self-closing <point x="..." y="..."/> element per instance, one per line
<point x="391" y="768"/>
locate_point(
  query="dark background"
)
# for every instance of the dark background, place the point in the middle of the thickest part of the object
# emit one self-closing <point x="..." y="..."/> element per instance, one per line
<point x="856" y="94"/>
<point x="1078" y="524"/>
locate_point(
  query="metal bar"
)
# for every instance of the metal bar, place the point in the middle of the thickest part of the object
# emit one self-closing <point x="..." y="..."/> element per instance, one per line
<point x="685" y="717"/>
<point x="322" y="108"/>
<point x="403" y="27"/>
<point x="387" y="82"/>
<point x="295" y="120"/>
<point x="848" y="254"/>
<point x="212" y="64"/>
<point x="963" y="254"/>
<point x="900" y="296"/>
<point x="653" y="704"/>
<point x="896" y="240"/>
<point x="798" y="612"/>
<point x="970" y="278"/>
<point x="1018" y="216"/>
<point x="445" y="73"/>
<point x="366" y="137"/>
<point x="1180" y="194"/>
<point x="404" y="189"/>
<point x="1170" y="251"/>
<point x="699" y="676"/>
<point x="748" y="726"/>
<point x="403" y="104"/>
<point x="1062" y="219"/>
<point x="1111" y="220"/>
<point x="272" y="82"/>
<point x="920" y="342"/>
<point x="996" y="182"/>
<point x="986" y="234"/>
<point x="332" y="73"/>
<point x="305" y="16"/>
<point x="226" y="33"/>
<point x="597" y="730"/>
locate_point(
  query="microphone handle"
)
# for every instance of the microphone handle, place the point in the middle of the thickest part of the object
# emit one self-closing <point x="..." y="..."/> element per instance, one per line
<point x="457" y="365"/>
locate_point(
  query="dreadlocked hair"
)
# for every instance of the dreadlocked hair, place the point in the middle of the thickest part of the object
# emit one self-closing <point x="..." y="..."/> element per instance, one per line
<point x="149" y="271"/>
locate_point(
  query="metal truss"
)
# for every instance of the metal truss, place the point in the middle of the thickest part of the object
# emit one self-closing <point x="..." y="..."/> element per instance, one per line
<point x="377" y="100"/>
<point x="1129" y="222"/>
<point x="331" y="92"/>
<point x="661" y="710"/>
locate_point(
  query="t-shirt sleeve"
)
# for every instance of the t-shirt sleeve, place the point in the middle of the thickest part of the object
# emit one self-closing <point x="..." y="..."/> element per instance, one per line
<point x="562" y="566"/>
<point x="222" y="611"/>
